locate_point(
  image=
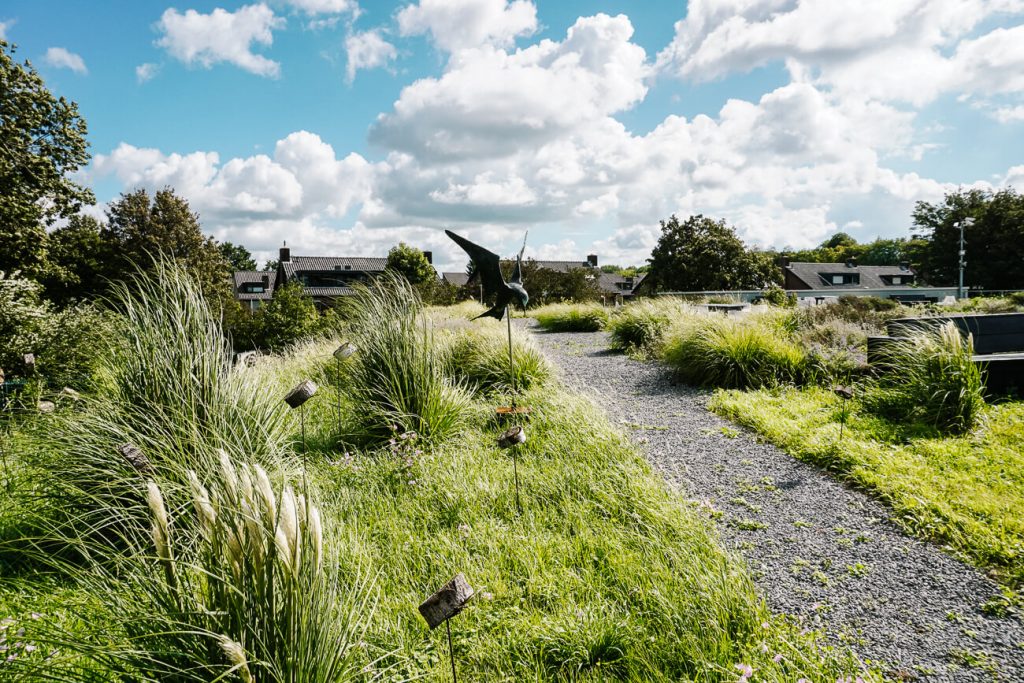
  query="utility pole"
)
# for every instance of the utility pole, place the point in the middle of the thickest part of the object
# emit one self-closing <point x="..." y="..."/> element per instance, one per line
<point x="966" y="222"/>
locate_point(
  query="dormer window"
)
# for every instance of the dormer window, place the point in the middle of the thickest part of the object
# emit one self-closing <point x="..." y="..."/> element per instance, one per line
<point x="840" y="278"/>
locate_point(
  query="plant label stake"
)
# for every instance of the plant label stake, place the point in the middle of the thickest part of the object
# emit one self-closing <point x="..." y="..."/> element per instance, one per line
<point x="845" y="393"/>
<point x="443" y="605"/>
<point x="510" y="439"/>
<point x="296" y="398"/>
<point x="340" y="354"/>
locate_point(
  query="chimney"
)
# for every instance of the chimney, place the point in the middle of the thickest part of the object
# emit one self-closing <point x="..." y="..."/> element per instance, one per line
<point x="430" y="257"/>
<point x="851" y="263"/>
<point x="285" y="254"/>
<point x="904" y="265"/>
<point x="592" y="260"/>
<point x="266" y="281"/>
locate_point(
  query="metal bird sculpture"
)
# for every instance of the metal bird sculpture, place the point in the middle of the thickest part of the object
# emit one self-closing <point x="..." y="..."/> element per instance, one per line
<point x="486" y="266"/>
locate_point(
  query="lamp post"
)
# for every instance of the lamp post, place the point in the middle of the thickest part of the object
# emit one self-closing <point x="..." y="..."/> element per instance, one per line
<point x="961" y="224"/>
<point x="341" y="354"/>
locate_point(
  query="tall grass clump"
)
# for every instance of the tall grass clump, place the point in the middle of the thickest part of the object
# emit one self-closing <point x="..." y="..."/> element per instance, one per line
<point x="399" y="379"/>
<point x="641" y="326"/>
<point x="734" y="354"/>
<point x="571" y="317"/>
<point x="229" y="582"/>
<point x="929" y="376"/>
<point x="480" y="358"/>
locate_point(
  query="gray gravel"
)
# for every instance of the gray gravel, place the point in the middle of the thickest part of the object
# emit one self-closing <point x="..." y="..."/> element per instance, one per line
<point x="820" y="551"/>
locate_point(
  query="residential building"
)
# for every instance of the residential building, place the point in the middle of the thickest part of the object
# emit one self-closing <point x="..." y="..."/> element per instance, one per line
<point x="253" y="287"/>
<point x="848" y="275"/>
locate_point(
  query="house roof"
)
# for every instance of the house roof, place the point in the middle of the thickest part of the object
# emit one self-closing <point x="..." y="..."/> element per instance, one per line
<point x="354" y="263"/>
<point x="457" y="279"/>
<point x="241" y="277"/>
<point x="813" y="274"/>
<point x="560" y="266"/>
<point x="609" y="283"/>
<point x="329" y="291"/>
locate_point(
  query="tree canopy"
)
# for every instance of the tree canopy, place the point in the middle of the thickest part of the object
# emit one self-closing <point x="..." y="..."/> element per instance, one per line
<point x="702" y="254"/>
<point x="42" y="141"/>
<point x="237" y="256"/>
<point x="411" y="263"/>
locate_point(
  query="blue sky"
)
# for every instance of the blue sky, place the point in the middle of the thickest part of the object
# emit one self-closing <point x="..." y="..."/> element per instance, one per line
<point x="345" y="127"/>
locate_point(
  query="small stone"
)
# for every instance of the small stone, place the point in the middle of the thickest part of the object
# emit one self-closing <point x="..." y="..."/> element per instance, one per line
<point x="136" y="458"/>
<point x="46" y="407"/>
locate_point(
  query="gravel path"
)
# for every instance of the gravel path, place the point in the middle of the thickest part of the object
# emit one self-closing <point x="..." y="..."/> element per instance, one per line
<point x="819" y="551"/>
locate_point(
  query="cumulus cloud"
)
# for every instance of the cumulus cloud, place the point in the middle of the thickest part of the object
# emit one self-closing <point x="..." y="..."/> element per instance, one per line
<point x="221" y="36"/>
<point x="304" y="179"/>
<point x="146" y="72"/>
<point x="367" y="50"/>
<point x="457" y="24"/>
<point x="5" y="25"/>
<point x="490" y="103"/>
<point x="866" y="49"/>
<point x="313" y="7"/>
<point x="61" y="58"/>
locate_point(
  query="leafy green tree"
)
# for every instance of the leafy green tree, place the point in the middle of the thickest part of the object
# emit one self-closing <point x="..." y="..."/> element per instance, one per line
<point x="80" y="261"/>
<point x="411" y="263"/>
<point x="288" y="317"/>
<point x="42" y="142"/>
<point x="703" y="254"/>
<point x="140" y="228"/>
<point x="994" y="244"/>
<point x="237" y="256"/>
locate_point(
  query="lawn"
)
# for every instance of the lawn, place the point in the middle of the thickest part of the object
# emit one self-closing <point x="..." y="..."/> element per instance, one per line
<point x="605" y="575"/>
<point x="966" y="492"/>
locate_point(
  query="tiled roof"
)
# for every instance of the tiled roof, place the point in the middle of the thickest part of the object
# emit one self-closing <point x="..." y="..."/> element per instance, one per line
<point x="329" y="291"/>
<point x="355" y="263"/>
<point x="815" y="274"/>
<point x="609" y="283"/>
<point x="242" y="277"/>
<point x="457" y="279"/>
<point x="560" y="266"/>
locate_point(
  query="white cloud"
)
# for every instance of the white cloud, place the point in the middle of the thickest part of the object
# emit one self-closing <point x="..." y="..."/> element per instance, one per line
<point x="313" y="7"/>
<point x="457" y="24"/>
<point x="367" y="50"/>
<point x="5" y="25"/>
<point x="221" y="36"/>
<point x="490" y="103"/>
<point x="486" y="191"/>
<point x="61" y="58"/>
<point x="304" y="179"/>
<point x="1008" y="114"/>
<point x="146" y="72"/>
<point x="873" y="49"/>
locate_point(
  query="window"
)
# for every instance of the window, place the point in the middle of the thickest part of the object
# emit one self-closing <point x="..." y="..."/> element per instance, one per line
<point x="837" y="279"/>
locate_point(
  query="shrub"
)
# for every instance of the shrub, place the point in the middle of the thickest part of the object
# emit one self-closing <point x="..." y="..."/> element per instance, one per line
<point x="641" y="326"/>
<point x="571" y="317"/>
<point x="480" y="357"/>
<point x="721" y="352"/>
<point x="399" y="374"/>
<point x="777" y="296"/>
<point x="64" y="342"/>
<point x="230" y="580"/>
<point x="1017" y="298"/>
<point x="929" y="377"/>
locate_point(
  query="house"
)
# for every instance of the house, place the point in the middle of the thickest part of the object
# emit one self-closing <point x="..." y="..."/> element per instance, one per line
<point x="624" y="286"/>
<point x="253" y="287"/>
<point x="849" y="275"/>
<point x="325" y="278"/>
<point x="457" y="279"/>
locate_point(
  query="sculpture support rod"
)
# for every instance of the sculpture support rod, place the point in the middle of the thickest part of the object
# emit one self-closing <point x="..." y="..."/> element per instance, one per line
<point x="511" y="363"/>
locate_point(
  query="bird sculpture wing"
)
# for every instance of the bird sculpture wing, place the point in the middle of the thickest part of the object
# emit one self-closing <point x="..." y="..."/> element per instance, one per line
<point x="517" y="273"/>
<point x="485" y="264"/>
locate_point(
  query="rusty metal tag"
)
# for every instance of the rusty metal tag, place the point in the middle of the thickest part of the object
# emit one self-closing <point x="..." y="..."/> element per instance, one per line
<point x="302" y="392"/>
<point x="447" y="602"/>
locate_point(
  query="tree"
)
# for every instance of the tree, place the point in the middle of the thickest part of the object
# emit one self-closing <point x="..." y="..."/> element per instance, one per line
<point x="288" y="317"/>
<point x="994" y="244"/>
<point x="141" y="228"/>
<point x="703" y="254"/>
<point x="237" y="256"/>
<point x="411" y="263"/>
<point x="42" y="141"/>
<point x="80" y="261"/>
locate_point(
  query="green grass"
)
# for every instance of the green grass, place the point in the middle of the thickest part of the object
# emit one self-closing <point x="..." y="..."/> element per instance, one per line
<point x="640" y="327"/>
<point x="606" y="574"/>
<point x="571" y="317"/>
<point x="966" y="491"/>
<point x="715" y="351"/>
